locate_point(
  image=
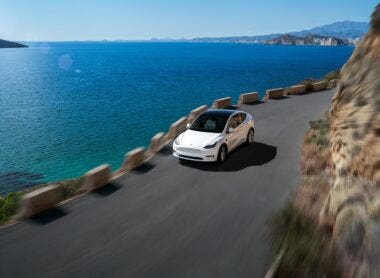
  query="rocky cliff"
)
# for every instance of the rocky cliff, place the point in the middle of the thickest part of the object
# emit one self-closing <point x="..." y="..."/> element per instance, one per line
<point x="352" y="208"/>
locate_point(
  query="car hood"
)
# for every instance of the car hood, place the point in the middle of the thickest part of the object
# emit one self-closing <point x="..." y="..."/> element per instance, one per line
<point x="197" y="138"/>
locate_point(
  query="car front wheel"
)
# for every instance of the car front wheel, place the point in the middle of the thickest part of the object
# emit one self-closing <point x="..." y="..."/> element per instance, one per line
<point x="222" y="155"/>
<point x="250" y="137"/>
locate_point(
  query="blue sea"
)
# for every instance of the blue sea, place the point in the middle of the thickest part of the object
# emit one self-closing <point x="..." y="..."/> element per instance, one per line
<point x="68" y="107"/>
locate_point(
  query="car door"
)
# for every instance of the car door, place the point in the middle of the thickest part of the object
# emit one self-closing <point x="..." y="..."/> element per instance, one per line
<point x="233" y="137"/>
<point x="242" y="127"/>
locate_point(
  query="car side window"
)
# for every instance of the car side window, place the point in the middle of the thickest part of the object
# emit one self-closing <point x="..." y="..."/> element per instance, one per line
<point x="242" y="117"/>
<point x="234" y="121"/>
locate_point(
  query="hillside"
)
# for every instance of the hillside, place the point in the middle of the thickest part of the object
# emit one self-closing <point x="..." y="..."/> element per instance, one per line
<point x="9" y="44"/>
<point x="345" y="30"/>
<point x="342" y="30"/>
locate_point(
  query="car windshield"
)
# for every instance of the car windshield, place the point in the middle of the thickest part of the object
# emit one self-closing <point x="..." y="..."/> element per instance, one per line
<point x="210" y="123"/>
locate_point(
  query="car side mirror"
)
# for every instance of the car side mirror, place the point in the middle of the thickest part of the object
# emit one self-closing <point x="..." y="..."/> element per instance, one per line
<point x="230" y="130"/>
<point x="188" y="125"/>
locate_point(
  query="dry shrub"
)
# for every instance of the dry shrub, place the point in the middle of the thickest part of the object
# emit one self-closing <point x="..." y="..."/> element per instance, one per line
<point x="312" y="194"/>
<point x="308" y="249"/>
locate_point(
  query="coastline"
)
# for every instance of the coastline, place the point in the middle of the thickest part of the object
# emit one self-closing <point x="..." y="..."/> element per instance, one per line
<point x="70" y="188"/>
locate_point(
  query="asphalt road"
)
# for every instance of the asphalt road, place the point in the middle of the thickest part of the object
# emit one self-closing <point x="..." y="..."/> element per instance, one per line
<point x="168" y="219"/>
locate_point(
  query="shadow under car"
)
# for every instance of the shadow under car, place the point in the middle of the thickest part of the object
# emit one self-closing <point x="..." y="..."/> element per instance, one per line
<point x="242" y="157"/>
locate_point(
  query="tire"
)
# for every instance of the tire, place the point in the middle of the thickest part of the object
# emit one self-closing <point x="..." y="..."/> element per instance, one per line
<point x="250" y="137"/>
<point x="222" y="154"/>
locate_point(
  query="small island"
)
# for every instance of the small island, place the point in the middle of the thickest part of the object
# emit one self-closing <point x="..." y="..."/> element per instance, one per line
<point x="9" y="44"/>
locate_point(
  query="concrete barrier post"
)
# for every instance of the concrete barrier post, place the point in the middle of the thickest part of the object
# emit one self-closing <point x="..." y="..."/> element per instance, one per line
<point x="98" y="177"/>
<point x="298" y="89"/>
<point x="196" y="112"/>
<point x="222" y="103"/>
<point x="274" y="93"/>
<point x="134" y="159"/>
<point x="177" y="128"/>
<point x="248" y="98"/>
<point x="157" y="143"/>
<point x="39" y="200"/>
<point x="319" y="86"/>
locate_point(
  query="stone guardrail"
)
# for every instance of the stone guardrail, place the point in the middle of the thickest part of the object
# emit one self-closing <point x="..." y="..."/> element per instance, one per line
<point x="47" y="197"/>
<point x="196" y="112"/>
<point x="298" y="89"/>
<point x="176" y="128"/>
<point x="134" y="159"/>
<point x="157" y="143"/>
<point x="274" y="93"/>
<point x="319" y="86"/>
<point x="248" y="98"/>
<point x="39" y="200"/>
<point x="97" y="177"/>
<point x="222" y="103"/>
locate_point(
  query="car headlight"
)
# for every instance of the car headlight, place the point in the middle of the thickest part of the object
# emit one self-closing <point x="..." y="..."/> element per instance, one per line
<point x="177" y="141"/>
<point x="210" y="145"/>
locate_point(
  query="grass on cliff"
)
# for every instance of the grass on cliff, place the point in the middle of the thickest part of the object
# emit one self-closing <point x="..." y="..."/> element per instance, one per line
<point x="295" y="228"/>
<point x="9" y="206"/>
<point x="308" y="82"/>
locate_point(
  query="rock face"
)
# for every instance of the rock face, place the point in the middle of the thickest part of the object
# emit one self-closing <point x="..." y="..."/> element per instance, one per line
<point x="353" y="205"/>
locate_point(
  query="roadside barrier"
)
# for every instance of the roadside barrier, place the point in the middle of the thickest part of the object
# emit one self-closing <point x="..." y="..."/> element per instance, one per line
<point x="176" y="128"/>
<point x="98" y="177"/>
<point x="319" y="86"/>
<point x="157" y="143"/>
<point x="274" y="93"/>
<point x="134" y="158"/>
<point x="222" y="103"/>
<point x="196" y="112"/>
<point x="298" y="89"/>
<point x="39" y="200"/>
<point x="248" y="98"/>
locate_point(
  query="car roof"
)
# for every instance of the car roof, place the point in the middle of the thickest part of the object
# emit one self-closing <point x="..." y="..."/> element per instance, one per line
<point x="221" y="112"/>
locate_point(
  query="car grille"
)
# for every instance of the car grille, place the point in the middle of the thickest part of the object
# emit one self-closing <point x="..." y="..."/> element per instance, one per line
<point x="189" y="150"/>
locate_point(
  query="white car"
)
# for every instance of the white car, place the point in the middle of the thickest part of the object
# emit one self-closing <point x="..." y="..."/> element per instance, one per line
<point x="213" y="135"/>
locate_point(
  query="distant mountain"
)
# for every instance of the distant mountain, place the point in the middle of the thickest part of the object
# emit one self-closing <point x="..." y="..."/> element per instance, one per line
<point x="342" y="30"/>
<point x="348" y="30"/>
<point x="307" y="40"/>
<point x="9" y="44"/>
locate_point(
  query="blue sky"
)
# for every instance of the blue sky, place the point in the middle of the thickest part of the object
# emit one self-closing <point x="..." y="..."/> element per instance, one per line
<point x="59" y="20"/>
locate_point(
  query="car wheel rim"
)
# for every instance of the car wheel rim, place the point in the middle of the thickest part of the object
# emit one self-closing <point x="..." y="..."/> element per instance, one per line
<point x="250" y="137"/>
<point x="223" y="154"/>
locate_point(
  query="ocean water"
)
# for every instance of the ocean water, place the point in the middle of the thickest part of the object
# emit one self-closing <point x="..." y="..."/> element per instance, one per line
<point x="68" y="107"/>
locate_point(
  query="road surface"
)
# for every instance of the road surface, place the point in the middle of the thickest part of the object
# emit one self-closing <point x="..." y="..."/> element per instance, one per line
<point x="168" y="219"/>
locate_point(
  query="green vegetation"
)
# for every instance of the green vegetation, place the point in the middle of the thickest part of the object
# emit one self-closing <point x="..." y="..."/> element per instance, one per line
<point x="308" y="252"/>
<point x="72" y="187"/>
<point x="308" y="82"/>
<point x="319" y="132"/>
<point x="332" y="75"/>
<point x="9" y="206"/>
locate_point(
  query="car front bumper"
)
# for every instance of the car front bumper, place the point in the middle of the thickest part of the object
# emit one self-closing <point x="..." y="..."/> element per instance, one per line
<point x="195" y="154"/>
